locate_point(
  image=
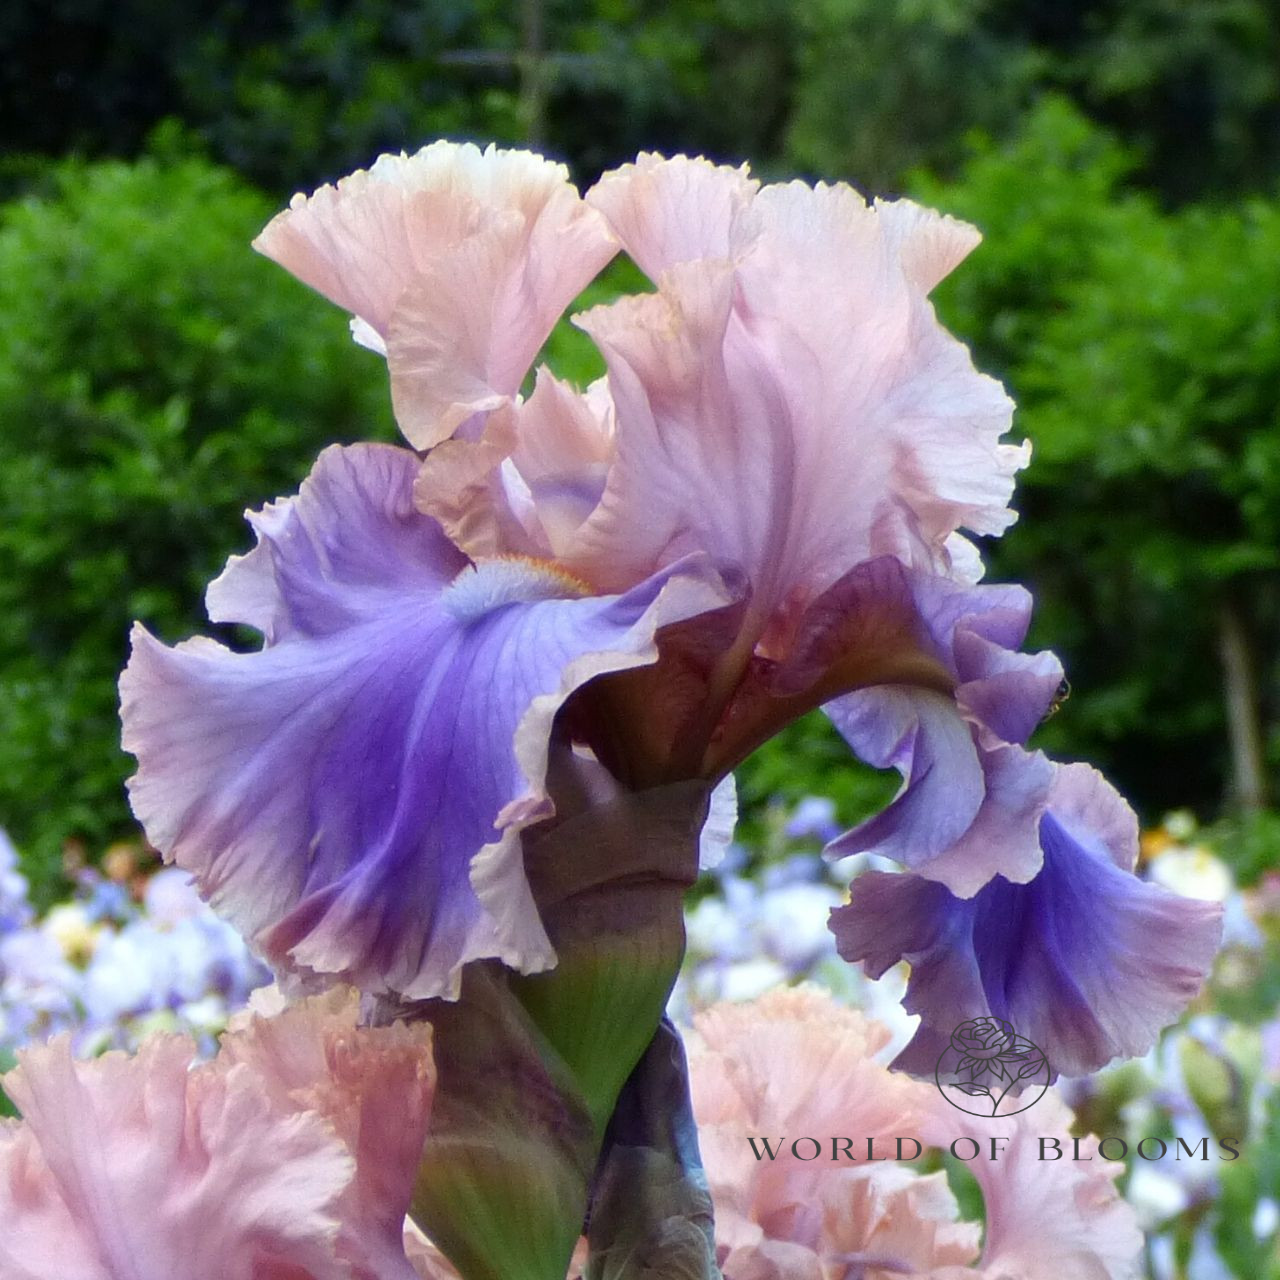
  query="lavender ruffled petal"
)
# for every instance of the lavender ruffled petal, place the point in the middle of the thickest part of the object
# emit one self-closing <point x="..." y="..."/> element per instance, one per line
<point x="972" y="797"/>
<point x="351" y="796"/>
<point x="1086" y="960"/>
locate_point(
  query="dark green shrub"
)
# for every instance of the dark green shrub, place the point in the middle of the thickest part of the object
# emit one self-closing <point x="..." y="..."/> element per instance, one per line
<point x="156" y="377"/>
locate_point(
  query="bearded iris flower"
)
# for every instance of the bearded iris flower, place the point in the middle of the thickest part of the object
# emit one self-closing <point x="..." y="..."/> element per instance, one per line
<point x="789" y="1215"/>
<point x="762" y="509"/>
<point x="548" y="598"/>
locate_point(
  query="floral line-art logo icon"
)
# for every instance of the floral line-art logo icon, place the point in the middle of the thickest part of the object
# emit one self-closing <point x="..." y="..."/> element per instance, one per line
<point x="988" y="1069"/>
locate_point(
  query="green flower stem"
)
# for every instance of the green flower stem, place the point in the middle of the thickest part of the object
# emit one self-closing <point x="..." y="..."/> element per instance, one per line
<point x="530" y="1067"/>
<point x="509" y="1154"/>
<point x="610" y="886"/>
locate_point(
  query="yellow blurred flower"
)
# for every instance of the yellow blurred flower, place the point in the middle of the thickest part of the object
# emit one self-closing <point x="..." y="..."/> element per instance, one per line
<point x="76" y="935"/>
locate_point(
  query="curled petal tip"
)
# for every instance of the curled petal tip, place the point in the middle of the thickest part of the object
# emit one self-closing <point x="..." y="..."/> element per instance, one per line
<point x="456" y="264"/>
<point x="1086" y="960"/>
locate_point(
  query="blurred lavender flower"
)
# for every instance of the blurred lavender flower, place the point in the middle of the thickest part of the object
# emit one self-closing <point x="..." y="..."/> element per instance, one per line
<point x="1271" y="1049"/>
<point x="110" y="969"/>
<point x="814" y="818"/>
<point x="1205" y="1262"/>
<point x="174" y="959"/>
<point x="752" y="933"/>
<point x="38" y="988"/>
<point x="15" y="910"/>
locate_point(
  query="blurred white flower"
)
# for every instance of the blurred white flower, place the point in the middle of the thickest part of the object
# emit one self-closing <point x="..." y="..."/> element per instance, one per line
<point x="171" y="897"/>
<point x="713" y="928"/>
<point x="1192" y="872"/>
<point x="208" y="1014"/>
<point x="1266" y="1218"/>
<point x="793" y="923"/>
<point x="121" y="981"/>
<point x="1156" y="1196"/>
<point x="748" y="979"/>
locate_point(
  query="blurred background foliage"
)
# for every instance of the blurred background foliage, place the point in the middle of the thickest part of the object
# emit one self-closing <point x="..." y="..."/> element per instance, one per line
<point x="1121" y="157"/>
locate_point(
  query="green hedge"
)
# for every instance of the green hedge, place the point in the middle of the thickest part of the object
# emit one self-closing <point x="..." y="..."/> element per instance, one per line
<point x="156" y="377"/>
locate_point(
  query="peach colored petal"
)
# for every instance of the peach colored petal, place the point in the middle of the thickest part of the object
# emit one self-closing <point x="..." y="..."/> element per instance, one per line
<point x="791" y="1065"/>
<point x="291" y="1156"/>
<point x="677" y="210"/>
<point x="796" y="1058"/>
<point x="875" y="1221"/>
<point x="145" y="1169"/>
<point x="530" y="482"/>
<point x="456" y="264"/>
<point x="788" y="401"/>
<point x="890" y="1218"/>
<point x="796" y="1063"/>
<point x="1047" y="1219"/>
<point x="373" y="1086"/>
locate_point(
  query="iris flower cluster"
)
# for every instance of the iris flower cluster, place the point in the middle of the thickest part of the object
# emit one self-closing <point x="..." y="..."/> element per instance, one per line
<point x="508" y="668"/>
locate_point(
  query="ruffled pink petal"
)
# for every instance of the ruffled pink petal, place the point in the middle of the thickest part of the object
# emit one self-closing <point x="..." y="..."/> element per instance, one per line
<point x="529" y="484"/>
<point x="878" y="1220"/>
<point x="564" y="448"/>
<point x="351" y="796"/>
<point x="890" y="1218"/>
<point x="671" y="211"/>
<point x="146" y="1169"/>
<point x="291" y="1156"/>
<point x="788" y="1065"/>
<point x="795" y="1058"/>
<point x="374" y="1087"/>
<point x="1047" y="1219"/>
<point x="795" y="1219"/>
<point x="787" y="402"/>
<point x="791" y="1065"/>
<point x="456" y="262"/>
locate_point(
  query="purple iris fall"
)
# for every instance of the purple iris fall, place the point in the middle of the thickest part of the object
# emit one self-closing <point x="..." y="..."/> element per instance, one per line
<point x="762" y="509"/>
